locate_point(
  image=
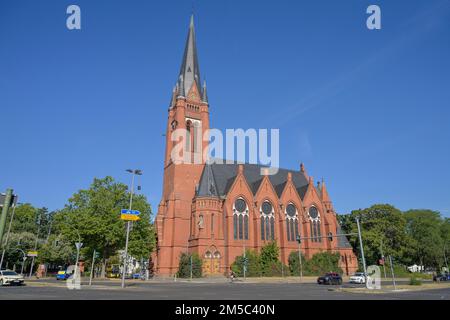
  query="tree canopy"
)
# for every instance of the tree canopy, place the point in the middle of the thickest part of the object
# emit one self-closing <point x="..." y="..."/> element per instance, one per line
<point x="91" y="216"/>
<point x="413" y="237"/>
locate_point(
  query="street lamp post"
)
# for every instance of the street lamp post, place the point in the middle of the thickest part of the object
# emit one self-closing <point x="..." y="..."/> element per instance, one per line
<point x="190" y="262"/>
<point x="35" y="244"/>
<point x="92" y="267"/>
<point x="133" y="173"/>
<point x="7" y="236"/>
<point x="78" y="245"/>
<point x="361" y="245"/>
<point x="382" y="257"/>
<point x="24" y="257"/>
<point x="299" y="240"/>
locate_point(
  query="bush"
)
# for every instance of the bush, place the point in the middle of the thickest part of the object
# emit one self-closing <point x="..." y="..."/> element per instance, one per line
<point x="294" y="263"/>
<point x="413" y="281"/>
<point x="319" y="264"/>
<point x="323" y="262"/>
<point x="253" y="265"/>
<point x="270" y="265"/>
<point x="184" y="267"/>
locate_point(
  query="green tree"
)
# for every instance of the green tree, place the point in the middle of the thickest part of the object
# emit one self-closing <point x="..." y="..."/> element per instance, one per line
<point x="94" y="215"/>
<point x="424" y="228"/>
<point x="445" y="234"/>
<point x="383" y="228"/>
<point x="57" y="250"/>
<point x="184" y="266"/>
<point x="18" y="243"/>
<point x="269" y="260"/>
<point x="323" y="262"/>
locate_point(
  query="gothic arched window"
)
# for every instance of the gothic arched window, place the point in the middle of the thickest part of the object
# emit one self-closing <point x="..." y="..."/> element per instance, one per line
<point x="291" y="222"/>
<point x="240" y="219"/>
<point x="267" y="221"/>
<point x="314" y="218"/>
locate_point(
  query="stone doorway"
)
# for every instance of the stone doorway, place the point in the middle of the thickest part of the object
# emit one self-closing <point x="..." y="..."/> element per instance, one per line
<point x="211" y="263"/>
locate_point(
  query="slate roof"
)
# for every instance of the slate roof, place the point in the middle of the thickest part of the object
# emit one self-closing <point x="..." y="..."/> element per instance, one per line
<point x="342" y="241"/>
<point x="222" y="176"/>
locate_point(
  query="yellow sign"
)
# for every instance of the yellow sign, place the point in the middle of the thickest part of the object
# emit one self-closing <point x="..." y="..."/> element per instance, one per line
<point x="32" y="253"/>
<point x="129" y="217"/>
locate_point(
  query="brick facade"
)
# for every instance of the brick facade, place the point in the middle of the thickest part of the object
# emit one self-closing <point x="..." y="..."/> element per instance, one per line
<point x="190" y="219"/>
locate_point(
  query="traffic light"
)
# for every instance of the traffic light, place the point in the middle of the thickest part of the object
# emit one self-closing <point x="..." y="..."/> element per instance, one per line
<point x="299" y="240"/>
<point x="330" y="236"/>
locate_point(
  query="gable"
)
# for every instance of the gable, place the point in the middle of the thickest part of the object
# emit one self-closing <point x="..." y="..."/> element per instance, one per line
<point x="225" y="174"/>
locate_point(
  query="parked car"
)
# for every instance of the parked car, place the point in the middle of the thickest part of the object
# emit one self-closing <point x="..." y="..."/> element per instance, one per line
<point x="358" y="277"/>
<point x="330" y="278"/>
<point x="441" y="277"/>
<point x="11" y="278"/>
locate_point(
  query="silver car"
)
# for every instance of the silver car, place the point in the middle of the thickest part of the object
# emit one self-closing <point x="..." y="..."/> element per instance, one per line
<point x="11" y="278"/>
<point x="358" y="277"/>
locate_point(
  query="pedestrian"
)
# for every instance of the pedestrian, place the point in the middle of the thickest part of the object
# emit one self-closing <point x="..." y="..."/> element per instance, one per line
<point x="232" y="275"/>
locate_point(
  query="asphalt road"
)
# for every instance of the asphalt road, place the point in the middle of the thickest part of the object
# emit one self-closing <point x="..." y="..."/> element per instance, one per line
<point x="198" y="291"/>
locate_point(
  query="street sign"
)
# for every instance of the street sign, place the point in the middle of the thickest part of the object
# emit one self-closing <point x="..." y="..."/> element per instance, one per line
<point x="78" y="245"/>
<point x="32" y="253"/>
<point x="133" y="212"/>
<point x="129" y="217"/>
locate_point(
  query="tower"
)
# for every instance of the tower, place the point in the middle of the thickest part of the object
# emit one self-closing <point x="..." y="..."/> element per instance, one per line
<point x="186" y="143"/>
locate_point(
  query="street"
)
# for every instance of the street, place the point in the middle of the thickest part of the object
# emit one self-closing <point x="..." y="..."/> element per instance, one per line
<point x="153" y="290"/>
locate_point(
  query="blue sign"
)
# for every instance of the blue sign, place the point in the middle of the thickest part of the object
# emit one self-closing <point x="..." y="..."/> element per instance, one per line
<point x="133" y="212"/>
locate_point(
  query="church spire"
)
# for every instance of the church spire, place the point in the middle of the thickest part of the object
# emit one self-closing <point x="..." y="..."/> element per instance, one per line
<point x="190" y="70"/>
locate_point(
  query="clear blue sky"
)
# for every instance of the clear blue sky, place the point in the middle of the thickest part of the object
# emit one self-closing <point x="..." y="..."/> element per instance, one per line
<point x="366" y="110"/>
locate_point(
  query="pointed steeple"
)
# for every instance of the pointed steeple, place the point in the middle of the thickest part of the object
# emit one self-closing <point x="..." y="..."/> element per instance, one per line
<point x="204" y="94"/>
<point x="325" y="195"/>
<point x="207" y="187"/>
<point x="190" y="70"/>
<point x="303" y="170"/>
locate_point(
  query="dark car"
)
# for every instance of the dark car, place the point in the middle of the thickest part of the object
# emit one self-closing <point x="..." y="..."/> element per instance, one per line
<point x="441" y="277"/>
<point x="330" y="278"/>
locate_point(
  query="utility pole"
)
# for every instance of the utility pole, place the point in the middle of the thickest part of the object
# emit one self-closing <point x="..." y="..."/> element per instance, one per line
<point x="445" y="258"/>
<point x="190" y="262"/>
<point x="8" y="233"/>
<point x="133" y="173"/>
<point x="36" y="242"/>
<point x="6" y="204"/>
<point x="245" y="259"/>
<point x="24" y="257"/>
<point x="382" y="257"/>
<point x="92" y="268"/>
<point x="392" y="271"/>
<point x="299" y="240"/>
<point x="78" y="245"/>
<point x="361" y="245"/>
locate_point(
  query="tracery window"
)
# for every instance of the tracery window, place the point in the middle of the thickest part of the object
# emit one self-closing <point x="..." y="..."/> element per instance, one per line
<point x="314" y="218"/>
<point x="267" y="221"/>
<point x="240" y="219"/>
<point x="291" y="222"/>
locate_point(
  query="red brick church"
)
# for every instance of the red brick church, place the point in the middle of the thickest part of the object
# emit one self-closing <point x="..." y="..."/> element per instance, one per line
<point x="218" y="210"/>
